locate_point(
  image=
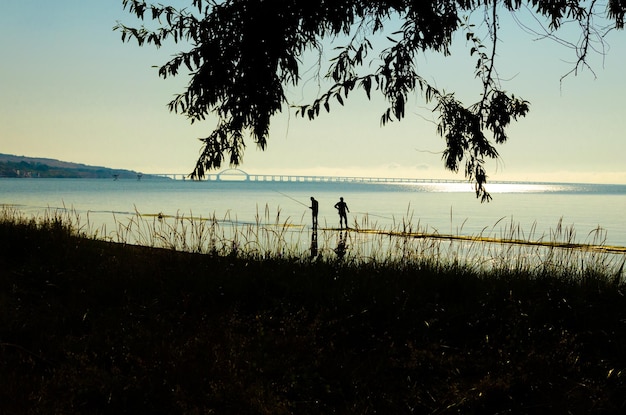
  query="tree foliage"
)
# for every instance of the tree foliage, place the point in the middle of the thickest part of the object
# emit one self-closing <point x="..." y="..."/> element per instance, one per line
<point x="244" y="54"/>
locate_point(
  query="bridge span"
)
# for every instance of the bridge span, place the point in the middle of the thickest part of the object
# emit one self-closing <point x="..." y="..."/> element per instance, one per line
<point x="240" y="175"/>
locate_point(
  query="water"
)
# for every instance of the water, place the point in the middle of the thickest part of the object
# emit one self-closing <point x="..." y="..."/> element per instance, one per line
<point x="595" y="211"/>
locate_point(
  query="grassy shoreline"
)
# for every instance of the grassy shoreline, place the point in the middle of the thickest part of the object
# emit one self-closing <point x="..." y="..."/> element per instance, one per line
<point x="98" y="327"/>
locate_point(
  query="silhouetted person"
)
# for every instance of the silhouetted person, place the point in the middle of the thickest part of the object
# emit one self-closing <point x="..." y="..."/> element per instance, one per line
<point x="314" y="209"/>
<point x="342" y="208"/>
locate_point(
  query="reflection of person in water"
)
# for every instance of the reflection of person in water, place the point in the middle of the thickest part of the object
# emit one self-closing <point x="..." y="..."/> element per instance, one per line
<point x="342" y="208"/>
<point x="341" y="246"/>
<point x="314" y="209"/>
<point x="314" y="243"/>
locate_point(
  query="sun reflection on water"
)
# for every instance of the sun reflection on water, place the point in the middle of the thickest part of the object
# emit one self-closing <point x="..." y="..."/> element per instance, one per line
<point x="459" y="187"/>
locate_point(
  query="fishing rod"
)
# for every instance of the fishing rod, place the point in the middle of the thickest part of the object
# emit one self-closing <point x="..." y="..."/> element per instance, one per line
<point x="372" y="214"/>
<point x="295" y="200"/>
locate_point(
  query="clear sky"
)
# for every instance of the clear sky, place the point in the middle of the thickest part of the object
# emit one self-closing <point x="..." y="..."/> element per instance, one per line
<point x="71" y="90"/>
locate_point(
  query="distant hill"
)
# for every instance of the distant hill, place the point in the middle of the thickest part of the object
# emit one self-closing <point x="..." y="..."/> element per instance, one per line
<point x="22" y="166"/>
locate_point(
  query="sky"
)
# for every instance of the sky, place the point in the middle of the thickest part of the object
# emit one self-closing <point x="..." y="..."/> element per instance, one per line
<point x="71" y="90"/>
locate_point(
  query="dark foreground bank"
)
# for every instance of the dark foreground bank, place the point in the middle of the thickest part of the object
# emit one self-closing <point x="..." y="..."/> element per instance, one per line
<point x="88" y="327"/>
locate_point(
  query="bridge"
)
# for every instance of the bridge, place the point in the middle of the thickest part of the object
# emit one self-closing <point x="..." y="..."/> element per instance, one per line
<point x="240" y="175"/>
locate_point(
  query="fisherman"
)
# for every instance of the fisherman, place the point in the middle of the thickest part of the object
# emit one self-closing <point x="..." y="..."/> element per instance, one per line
<point x="314" y="209"/>
<point x="342" y="208"/>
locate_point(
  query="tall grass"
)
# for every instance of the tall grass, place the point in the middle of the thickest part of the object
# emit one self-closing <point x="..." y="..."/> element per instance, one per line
<point x="502" y="249"/>
<point x="266" y="237"/>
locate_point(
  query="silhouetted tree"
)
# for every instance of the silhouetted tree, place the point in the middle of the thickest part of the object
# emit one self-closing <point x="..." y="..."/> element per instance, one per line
<point x="242" y="54"/>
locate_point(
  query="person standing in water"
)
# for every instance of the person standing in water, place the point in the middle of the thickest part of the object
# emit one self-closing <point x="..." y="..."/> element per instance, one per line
<point x="342" y="208"/>
<point x="314" y="209"/>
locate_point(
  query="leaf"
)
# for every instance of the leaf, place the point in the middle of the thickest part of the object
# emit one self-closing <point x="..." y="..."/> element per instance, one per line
<point x="358" y="57"/>
<point x="367" y="86"/>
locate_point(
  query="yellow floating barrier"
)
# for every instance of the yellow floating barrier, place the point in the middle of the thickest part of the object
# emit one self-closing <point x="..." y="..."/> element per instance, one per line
<point x="468" y="238"/>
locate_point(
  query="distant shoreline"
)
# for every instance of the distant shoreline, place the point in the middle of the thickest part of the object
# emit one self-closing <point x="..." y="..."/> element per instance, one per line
<point x="12" y="166"/>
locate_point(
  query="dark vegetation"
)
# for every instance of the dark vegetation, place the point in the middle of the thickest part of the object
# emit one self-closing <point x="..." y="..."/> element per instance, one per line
<point x="94" y="327"/>
<point x="21" y="166"/>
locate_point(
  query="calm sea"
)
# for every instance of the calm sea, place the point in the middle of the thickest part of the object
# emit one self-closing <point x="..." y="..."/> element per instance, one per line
<point x="533" y="210"/>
